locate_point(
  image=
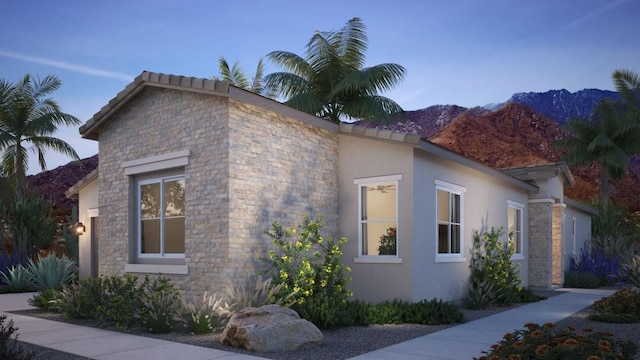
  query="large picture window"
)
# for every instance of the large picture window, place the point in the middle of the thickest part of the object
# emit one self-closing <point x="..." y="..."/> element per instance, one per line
<point x="449" y="208"/>
<point x="161" y="221"/>
<point x="514" y="228"/>
<point x="378" y="216"/>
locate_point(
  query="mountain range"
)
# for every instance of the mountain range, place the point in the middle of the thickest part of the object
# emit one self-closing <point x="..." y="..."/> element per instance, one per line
<point x="518" y="132"/>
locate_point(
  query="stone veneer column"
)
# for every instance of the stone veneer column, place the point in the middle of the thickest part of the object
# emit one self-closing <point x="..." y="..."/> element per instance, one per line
<point x="540" y="240"/>
<point x="557" y="238"/>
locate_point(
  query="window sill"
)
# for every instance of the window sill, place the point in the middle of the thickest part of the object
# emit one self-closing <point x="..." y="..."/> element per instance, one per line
<point x="377" y="260"/>
<point x="517" y="257"/>
<point x="157" y="269"/>
<point x="448" y="259"/>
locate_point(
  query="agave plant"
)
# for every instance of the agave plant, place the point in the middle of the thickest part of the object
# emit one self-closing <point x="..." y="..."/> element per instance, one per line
<point x="18" y="279"/>
<point x="51" y="271"/>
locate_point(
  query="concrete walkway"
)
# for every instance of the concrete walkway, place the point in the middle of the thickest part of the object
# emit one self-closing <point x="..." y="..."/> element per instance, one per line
<point x="464" y="341"/>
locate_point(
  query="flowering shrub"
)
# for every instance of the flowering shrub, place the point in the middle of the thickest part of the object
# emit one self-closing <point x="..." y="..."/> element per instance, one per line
<point x="544" y="342"/>
<point x="621" y="307"/>
<point x="309" y="265"/>
<point x="606" y="268"/>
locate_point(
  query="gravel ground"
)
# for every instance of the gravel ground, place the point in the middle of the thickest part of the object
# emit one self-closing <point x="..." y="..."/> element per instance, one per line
<point x="348" y="342"/>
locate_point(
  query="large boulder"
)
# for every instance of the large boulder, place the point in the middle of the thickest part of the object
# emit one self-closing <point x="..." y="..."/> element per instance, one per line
<point x="270" y="328"/>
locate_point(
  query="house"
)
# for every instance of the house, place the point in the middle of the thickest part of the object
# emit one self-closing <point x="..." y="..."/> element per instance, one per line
<point x="193" y="171"/>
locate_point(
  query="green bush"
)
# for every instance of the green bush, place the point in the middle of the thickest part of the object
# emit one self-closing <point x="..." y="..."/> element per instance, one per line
<point x="257" y="292"/>
<point x="544" y="342"/>
<point x="579" y="279"/>
<point x="51" y="271"/>
<point x="432" y="312"/>
<point x="46" y="299"/>
<point x="208" y="315"/>
<point x="10" y="348"/>
<point x="621" y="307"/>
<point x="160" y="305"/>
<point x="494" y="277"/>
<point x="631" y="268"/>
<point x="19" y="279"/>
<point x="308" y="265"/>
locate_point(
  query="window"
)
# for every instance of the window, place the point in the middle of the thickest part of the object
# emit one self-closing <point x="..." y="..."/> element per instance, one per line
<point x="449" y="203"/>
<point x="161" y="229"/>
<point x="514" y="227"/>
<point x="573" y="236"/>
<point x="378" y="216"/>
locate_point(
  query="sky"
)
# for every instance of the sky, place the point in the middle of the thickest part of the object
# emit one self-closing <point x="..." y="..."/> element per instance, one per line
<point x="463" y="52"/>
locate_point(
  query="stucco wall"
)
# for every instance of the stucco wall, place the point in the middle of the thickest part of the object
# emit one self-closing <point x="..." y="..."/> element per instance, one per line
<point x="485" y="204"/>
<point x="583" y="232"/>
<point x="247" y="168"/>
<point x="362" y="158"/>
<point x="418" y="276"/>
<point x="89" y="201"/>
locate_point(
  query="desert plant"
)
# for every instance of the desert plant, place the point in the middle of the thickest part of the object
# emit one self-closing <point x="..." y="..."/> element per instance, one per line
<point x="491" y="264"/>
<point x="579" y="279"/>
<point x="481" y="295"/>
<point x="208" y="315"/>
<point x="309" y="265"/>
<point x="257" y="292"/>
<point x="621" y="307"/>
<point x="10" y="348"/>
<point x="607" y="269"/>
<point x="18" y="279"/>
<point x="544" y="342"/>
<point x="120" y="301"/>
<point x="160" y="305"/>
<point x="631" y="269"/>
<point x="46" y="299"/>
<point x="50" y="271"/>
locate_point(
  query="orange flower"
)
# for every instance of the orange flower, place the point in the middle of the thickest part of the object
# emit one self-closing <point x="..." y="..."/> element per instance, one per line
<point x="508" y="336"/>
<point x="571" y="342"/>
<point x="542" y="350"/>
<point x="587" y="330"/>
<point x="536" y="334"/>
<point x="518" y="343"/>
<point x="594" y="357"/>
<point x="549" y="325"/>
<point x="515" y="357"/>
<point x="530" y="326"/>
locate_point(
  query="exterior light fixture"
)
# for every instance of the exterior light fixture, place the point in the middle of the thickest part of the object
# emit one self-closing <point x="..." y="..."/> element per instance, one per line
<point x="78" y="228"/>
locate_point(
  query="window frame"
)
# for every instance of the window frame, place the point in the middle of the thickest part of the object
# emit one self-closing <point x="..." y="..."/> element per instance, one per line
<point x="454" y="189"/>
<point x="378" y="180"/>
<point x="518" y="207"/>
<point x="574" y="224"/>
<point x="154" y="180"/>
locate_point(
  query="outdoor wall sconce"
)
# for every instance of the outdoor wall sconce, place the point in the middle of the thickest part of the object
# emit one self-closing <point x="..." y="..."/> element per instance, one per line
<point x="78" y="228"/>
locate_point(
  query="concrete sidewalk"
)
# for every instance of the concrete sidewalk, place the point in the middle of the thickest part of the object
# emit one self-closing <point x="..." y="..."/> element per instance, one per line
<point x="463" y="341"/>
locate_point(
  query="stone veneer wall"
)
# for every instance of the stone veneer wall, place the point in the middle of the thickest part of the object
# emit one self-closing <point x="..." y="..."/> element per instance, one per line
<point x="280" y="169"/>
<point x="558" y="236"/>
<point x="156" y="122"/>
<point x="540" y="240"/>
<point x="247" y="168"/>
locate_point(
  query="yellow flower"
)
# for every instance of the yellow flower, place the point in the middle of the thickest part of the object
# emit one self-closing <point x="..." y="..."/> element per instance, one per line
<point x="594" y="357"/>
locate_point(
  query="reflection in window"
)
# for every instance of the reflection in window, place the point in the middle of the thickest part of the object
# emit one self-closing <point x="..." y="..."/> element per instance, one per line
<point x="161" y="227"/>
<point x="378" y="218"/>
<point x="449" y="221"/>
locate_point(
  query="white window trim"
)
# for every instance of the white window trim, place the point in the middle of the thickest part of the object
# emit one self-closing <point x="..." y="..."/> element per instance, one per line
<point x="161" y="255"/>
<point x="521" y="207"/>
<point x="458" y="190"/>
<point x="380" y="259"/>
<point x="156" y="269"/>
<point x="574" y="225"/>
<point x="156" y="163"/>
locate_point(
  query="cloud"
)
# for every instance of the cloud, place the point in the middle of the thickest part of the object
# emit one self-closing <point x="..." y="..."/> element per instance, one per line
<point x="597" y="12"/>
<point x="82" y="69"/>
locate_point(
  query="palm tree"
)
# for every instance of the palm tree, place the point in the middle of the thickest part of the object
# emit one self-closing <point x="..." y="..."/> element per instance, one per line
<point x="27" y="120"/>
<point x="236" y="76"/>
<point x="609" y="137"/>
<point x="331" y="82"/>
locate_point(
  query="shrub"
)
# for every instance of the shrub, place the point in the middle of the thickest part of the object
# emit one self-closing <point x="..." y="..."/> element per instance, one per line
<point x="543" y="342"/>
<point x="50" y="271"/>
<point x="81" y="300"/>
<point x="632" y="270"/>
<point x="494" y="277"/>
<point x="257" y="292"/>
<point x="10" y="348"/>
<point x="432" y="312"/>
<point x="161" y="305"/>
<point x="621" y="307"/>
<point x="595" y="262"/>
<point x="577" y="279"/>
<point x="310" y="266"/>
<point x="211" y="314"/>
<point x="46" y="299"/>
<point x="18" y="279"/>
<point x="8" y="260"/>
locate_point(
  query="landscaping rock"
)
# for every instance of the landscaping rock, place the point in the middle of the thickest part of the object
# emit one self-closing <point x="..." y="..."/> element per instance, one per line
<point x="270" y="328"/>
